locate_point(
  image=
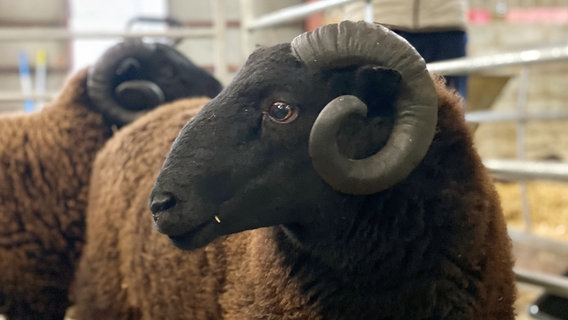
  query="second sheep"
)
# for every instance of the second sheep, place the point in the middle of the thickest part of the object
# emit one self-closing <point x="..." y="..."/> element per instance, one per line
<point x="45" y="166"/>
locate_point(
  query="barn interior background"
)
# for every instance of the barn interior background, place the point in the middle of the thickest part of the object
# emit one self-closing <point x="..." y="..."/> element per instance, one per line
<point x="517" y="102"/>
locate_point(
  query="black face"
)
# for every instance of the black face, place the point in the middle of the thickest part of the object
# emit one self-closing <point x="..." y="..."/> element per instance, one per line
<point x="243" y="163"/>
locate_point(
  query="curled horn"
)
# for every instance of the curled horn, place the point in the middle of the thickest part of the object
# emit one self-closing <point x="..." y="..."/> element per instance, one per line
<point x="121" y="83"/>
<point x="358" y="43"/>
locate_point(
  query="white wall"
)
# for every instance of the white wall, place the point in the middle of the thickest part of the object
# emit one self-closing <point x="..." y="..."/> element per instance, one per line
<point x="105" y="15"/>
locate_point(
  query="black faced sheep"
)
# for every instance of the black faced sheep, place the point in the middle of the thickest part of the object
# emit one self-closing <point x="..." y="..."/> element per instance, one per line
<point x="291" y="204"/>
<point x="45" y="164"/>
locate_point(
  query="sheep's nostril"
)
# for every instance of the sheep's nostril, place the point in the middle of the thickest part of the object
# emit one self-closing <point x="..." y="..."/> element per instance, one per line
<point x="162" y="202"/>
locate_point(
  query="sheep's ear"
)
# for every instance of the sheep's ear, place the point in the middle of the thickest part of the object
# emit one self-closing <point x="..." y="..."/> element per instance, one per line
<point x="378" y="86"/>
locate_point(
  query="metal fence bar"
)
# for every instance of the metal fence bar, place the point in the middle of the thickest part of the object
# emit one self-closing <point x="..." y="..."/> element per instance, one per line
<point x="470" y="65"/>
<point x="220" y="40"/>
<point x="546" y="244"/>
<point x="520" y="170"/>
<point x="18" y="96"/>
<point x="27" y="34"/>
<point x="293" y="13"/>
<point x="556" y="285"/>
<point x="246" y="12"/>
<point x="503" y="116"/>
<point x="521" y="142"/>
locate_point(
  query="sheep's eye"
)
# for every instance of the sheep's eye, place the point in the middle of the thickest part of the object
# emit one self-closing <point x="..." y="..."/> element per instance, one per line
<point x="282" y="112"/>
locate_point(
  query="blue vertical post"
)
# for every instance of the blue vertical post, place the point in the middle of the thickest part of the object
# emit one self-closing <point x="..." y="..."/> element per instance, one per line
<point x="25" y="81"/>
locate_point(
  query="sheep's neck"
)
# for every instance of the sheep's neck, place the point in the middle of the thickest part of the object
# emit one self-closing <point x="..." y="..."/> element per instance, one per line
<point x="364" y="259"/>
<point x="367" y="236"/>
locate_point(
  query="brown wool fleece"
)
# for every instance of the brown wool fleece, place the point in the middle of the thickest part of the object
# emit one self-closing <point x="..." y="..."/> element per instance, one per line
<point x="484" y="227"/>
<point x="45" y="163"/>
<point x="130" y="271"/>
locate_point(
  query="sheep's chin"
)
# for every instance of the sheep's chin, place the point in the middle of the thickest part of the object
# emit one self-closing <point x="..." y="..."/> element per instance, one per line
<point x="197" y="238"/>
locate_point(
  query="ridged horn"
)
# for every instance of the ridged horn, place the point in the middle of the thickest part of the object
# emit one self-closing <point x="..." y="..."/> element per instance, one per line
<point x="359" y="43"/>
<point x="110" y="71"/>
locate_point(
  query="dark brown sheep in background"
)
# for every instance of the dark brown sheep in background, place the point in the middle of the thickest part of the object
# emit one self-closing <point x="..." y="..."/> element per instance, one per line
<point x="45" y="165"/>
<point x="289" y="204"/>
